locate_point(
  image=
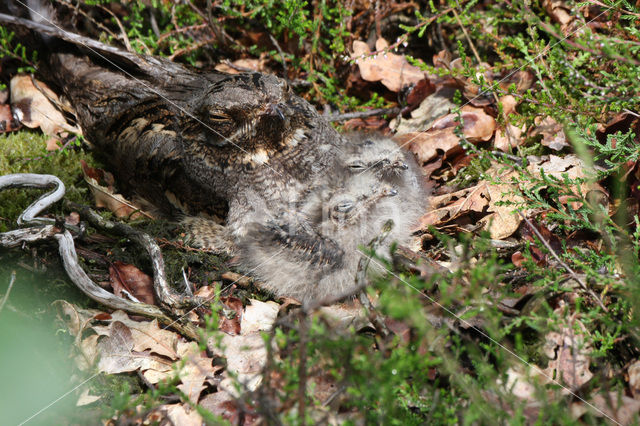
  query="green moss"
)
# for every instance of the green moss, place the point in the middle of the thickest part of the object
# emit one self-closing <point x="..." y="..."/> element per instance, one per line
<point x="24" y="152"/>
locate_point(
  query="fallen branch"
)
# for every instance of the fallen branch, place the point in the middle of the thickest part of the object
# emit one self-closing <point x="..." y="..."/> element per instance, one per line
<point x="6" y="295"/>
<point x="32" y="180"/>
<point x="363" y="114"/>
<point x="50" y="229"/>
<point x="165" y="293"/>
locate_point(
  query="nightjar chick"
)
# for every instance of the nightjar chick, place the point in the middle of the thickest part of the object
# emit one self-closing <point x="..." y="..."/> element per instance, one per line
<point x="315" y="255"/>
<point x="380" y="155"/>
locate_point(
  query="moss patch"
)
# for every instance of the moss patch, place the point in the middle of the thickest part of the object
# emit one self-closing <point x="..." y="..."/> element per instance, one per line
<point x="24" y="152"/>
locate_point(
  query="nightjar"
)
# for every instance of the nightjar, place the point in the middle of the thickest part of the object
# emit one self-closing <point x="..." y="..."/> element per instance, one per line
<point x="247" y="164"/>
<point x="378" y="154"/>
<point x="314" y="256"/>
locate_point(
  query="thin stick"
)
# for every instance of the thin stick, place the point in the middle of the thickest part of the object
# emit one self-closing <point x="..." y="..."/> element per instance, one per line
<point x="166" y="294"/>
<point x="363" y="114"/>
<point x="302" y="367"/>
<point x="582" y="284"/>
<point x="6" y="295"/>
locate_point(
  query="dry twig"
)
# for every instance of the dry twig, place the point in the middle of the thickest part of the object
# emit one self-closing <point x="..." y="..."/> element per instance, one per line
<point x="49" y="228"/>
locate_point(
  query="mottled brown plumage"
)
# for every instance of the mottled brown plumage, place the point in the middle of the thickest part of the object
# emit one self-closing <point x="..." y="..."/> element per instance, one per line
<point x="186" y="141"/>
<point x="297" y="198"/>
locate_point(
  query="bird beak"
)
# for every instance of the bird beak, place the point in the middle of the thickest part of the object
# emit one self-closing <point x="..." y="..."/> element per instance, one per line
<point x="275" y="111"/>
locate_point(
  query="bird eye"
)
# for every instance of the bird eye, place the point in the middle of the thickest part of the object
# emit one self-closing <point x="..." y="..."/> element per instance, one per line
<point x="218" y="116"/>
<point x="356" y="165"/>
<point x="344" y="206"/>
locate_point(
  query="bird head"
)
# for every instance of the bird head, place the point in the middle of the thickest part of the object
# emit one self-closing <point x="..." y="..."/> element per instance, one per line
<point x="357" y="198"/>
<point x="382" y="156"/>
<point x="252" y="115"/>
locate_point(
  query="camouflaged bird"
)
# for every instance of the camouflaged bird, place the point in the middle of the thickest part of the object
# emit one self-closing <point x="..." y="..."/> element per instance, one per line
<point x="378" y="154"/>
<point x="321" y="262"/>
<point x="311" y="250"/>
<point x="188" y="142"/>
<point x="242" y="147"/>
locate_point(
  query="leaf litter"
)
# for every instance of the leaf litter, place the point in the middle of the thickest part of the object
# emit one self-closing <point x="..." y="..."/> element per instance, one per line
<point x="116" y="343"/>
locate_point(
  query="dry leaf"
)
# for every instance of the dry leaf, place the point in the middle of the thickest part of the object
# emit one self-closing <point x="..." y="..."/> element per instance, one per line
<point x="183" y="415"/>
<point x="519" y="385"/>
<point x="117" y="354"/>
<point x="146" y="335"/>
<point x="224" y="405"/>
<point x="552" y="133"/>
<point x="634" y="379"/>
<point x="569" y="352"/>
<point x="484" y="197"/>
<point x="259" y="316"/>
<point x="34" y="108"/>
<point x="509" y="104"/>
<point x="425" y="115"/>
<point x="574" y="168"/>
<point x="342" y="316"/>
<point x="559" y="12"/>
<point x="390" y="69"/>
<point x="8" y="120"/>
<point x="623" y="409"/>
<point x="125" y="277"/>
<point x="77" y="318"/>
<point x="504" y="220"/>
<point x="246" y="356"/>
<point x="86" y="399"/>
<point x="523" y="80"/>
<point x="231" y="315"/>
<point x="504" y="141"/>
<point x="197" y="367"/>
<point x="478" y="126"/>
<point x="105" y="197"/>
<point x="242" y="65"/>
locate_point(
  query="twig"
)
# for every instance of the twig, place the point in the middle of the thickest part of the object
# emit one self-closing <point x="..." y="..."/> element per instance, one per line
<point x="67" y="249"/>
<point x="77" y="10"/>
<point x="88" y="287"/>
<point x="190" y="48"/>
<point x="125" y="38"/>
<point x="52" y="153"/>
<point x="218" y="32"/>
<point x="361" y="279"/>
<point x="17" y="237"/>
<point x="35" y="181"/>
<point x="6" y="295"/>
<point x="363" y="114"/>
<point x="507" y="130"/>
<point x="154" y="22"/>
<point x="155" y="67"/>
<point x="284" y="60"/>
<point x="302" y="367"/>
<point x="166" y="295"/>
<point x="582" y="284"/>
